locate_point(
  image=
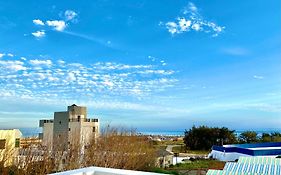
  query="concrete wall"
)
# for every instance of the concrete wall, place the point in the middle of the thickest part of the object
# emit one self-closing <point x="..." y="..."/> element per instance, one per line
<point x="76" y="111"/>
<point x="48" y="135"/>
<point x="88" y="133"/>
<point x="74" y="133"/>
<point x="60" y="131"/>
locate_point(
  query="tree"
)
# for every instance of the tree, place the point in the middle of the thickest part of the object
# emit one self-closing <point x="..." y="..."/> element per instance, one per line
<point x="248" y="137"/>
<point x="203" y="137"/>
<point x="226" y="136"/>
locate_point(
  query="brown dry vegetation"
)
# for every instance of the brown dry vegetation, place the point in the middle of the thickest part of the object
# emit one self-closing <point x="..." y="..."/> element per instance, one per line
<point x="115" y="148"/>
<point x="121" y="149"/>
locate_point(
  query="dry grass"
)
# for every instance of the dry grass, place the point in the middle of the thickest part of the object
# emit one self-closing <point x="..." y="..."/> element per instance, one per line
<point x="115" y="148"/>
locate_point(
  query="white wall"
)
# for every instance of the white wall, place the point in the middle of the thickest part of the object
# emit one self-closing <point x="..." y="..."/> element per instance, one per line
<point x="222" y="156"/>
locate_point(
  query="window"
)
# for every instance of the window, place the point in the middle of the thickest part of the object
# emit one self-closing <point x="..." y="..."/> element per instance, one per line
<point x="60" y="122"/>
<point x="94" y="129"/>
<point x="68" y="129"/>
<point x="2" y="143"/>
<point x="17" y="143"/>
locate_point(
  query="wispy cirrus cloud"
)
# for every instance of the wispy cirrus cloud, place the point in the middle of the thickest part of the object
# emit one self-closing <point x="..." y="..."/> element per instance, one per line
<point x="259" y="77"/>
<point x="191" y="20"/>
<point x="6" y="54"/>
<point x="2" y="55"/>
<point x="51" y="79"/>
<point x="236" y="51"/>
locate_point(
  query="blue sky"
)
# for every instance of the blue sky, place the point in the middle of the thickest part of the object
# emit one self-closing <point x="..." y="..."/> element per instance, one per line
<point x="151" y="65"/>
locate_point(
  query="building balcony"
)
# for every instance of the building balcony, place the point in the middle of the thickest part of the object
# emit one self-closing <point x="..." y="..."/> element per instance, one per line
<point x="83" y="120"/>
<point x="42" y="122"/>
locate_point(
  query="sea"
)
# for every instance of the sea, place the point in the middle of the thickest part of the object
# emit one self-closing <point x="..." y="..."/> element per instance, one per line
<point x="34" y="132"/>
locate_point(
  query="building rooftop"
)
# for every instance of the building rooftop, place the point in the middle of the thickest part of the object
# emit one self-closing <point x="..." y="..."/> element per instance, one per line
<point x="103" y="171"/>
<point x="257" y="149"/>
<point x="250" y="165"/>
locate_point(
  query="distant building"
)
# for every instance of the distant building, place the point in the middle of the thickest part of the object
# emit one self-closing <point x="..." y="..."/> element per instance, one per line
<point x="9" y="146"/>
<point x="233" y="152"/>
<point x="69" y="128"/>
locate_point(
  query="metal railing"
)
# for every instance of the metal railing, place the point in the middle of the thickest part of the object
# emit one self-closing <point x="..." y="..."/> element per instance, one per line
<point x="41" y="122"/>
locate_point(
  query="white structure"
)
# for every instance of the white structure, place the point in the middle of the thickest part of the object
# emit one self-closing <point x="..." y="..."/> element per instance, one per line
<point x="9" y="145"/>
<point x="233" y="152"/>
<point x="69" y="128"/>
<point x="103" y="171"/>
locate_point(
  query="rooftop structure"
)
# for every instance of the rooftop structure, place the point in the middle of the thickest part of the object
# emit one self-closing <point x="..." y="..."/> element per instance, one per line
<point x="233" y="152"/>
<point x="69" y="128"/>
<point x="250" y="165"/>
<point x="103" y="171"/>
<point x="9" y="145"/>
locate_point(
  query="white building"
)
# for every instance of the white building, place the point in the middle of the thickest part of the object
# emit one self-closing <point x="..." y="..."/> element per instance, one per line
<point x="9" y="145"/>
<point x="69" y="128"/>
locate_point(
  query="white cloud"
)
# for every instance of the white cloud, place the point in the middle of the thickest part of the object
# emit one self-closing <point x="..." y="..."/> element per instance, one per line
<point x="58" y="25"/>
<point x="38" y="22"/>
<point x="192" y="20"/>
<point x="115" y="66"/>
<point x="39" y="34"/>
<point x="39" y="76"/>
<point x="41" y="62"/>
<point x="172" y="27"/>
<point x="184" y="24"/>
<point x="191" y="7"/>
<point x="70" y="15"/>
<point x="108" y="83"/>
<point x="70" y="77"/>
<point x="12" y="65"/>
<point x="2" y="54"/>
<point x="10" y="55"/>
<point x="196" y="27"/>
<point x="258" y="77"/>
<point x="61" y="62"/>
